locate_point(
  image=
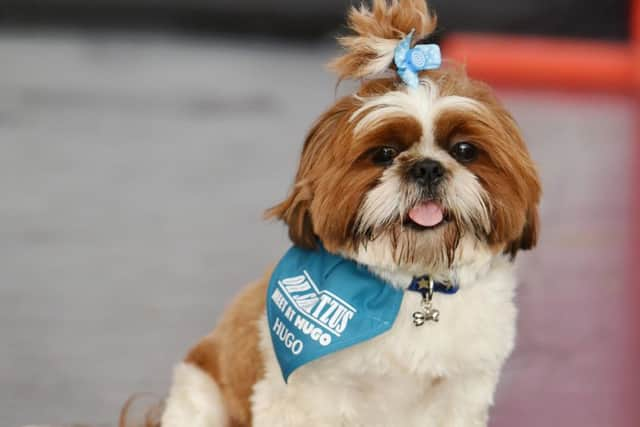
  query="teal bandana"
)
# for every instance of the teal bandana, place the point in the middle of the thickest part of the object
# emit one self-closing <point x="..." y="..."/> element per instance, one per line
<point x="319" y="303"/>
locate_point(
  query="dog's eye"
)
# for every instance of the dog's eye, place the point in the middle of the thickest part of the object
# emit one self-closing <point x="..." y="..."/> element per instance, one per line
<point x="384" y="155"/>
<point x="464" y="152"/>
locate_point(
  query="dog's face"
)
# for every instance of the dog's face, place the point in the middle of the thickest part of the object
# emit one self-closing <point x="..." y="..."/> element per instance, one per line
<point x="415" y="178"/>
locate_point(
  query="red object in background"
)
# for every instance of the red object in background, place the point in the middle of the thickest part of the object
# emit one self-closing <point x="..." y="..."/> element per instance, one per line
<point x="548" y="63"/>
<point x="545" y="63"/>
<point x="537" y="62"/>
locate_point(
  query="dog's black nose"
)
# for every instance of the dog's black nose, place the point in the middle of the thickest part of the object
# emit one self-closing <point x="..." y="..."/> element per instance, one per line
<point x="426" y="172"/>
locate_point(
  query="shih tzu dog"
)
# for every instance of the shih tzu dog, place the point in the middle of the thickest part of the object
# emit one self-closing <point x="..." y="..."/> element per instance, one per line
<point x="394" y="307"/>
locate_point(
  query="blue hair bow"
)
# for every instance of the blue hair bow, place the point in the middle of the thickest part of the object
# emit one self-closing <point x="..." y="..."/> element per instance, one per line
<point x="410" y="62"/>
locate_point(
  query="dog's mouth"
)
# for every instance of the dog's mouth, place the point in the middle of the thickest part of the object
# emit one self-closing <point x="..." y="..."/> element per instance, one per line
<point x="426" y="215"/>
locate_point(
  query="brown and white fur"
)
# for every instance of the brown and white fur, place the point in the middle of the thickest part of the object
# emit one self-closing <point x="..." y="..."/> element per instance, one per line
<point x="442" y="374"/>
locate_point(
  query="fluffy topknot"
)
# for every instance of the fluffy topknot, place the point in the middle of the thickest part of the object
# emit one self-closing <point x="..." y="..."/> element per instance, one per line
<point x="378" y="30"/>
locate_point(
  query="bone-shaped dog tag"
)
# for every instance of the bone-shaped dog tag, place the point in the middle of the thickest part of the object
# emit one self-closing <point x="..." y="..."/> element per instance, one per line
<point x="419" y="318"/>
<point x="429" y="314"/>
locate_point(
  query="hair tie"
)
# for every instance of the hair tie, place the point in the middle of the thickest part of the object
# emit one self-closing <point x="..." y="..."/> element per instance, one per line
<point x="410" y="61"/>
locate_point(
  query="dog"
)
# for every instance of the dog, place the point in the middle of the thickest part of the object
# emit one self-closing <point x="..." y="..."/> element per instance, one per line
<point x="394" y="307"/>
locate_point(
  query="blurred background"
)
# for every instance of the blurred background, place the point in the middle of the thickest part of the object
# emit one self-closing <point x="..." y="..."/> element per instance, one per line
<point x="140" y="141"/>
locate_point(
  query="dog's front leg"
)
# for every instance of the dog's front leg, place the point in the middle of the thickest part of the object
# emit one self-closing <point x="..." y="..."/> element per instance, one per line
<point x="465" y="401"/>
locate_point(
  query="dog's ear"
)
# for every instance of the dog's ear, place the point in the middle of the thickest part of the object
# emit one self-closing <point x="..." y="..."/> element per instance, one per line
<point x="295" y="212"/>
<point x="316" y="160"/>
<point x="376" y="33"/>
<point x="529" y="237"/>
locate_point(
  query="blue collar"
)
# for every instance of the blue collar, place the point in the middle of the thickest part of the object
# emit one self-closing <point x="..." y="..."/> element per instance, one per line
<point x="421" y="284"/>
<point x="319" y="303"/>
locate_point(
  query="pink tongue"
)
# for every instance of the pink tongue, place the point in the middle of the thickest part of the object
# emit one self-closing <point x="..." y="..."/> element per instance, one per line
<point x="427" y="214"/>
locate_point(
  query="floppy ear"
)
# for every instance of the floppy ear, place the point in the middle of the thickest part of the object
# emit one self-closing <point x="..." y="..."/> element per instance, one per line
<point x="515" y="189"/>
<point x="529" y="237"/>
<point x="295" y="210"/>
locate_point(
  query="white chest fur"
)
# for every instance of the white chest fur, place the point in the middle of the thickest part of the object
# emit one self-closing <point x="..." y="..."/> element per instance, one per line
<point x="440" y="374"/>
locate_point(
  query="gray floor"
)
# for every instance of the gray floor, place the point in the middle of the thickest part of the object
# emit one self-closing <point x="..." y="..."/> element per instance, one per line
<point x="133" y="174"/>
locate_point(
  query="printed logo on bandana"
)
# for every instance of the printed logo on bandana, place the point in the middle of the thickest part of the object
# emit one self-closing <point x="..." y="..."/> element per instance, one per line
<point x="318" y="314"/>
<point x="319" y="303"/>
